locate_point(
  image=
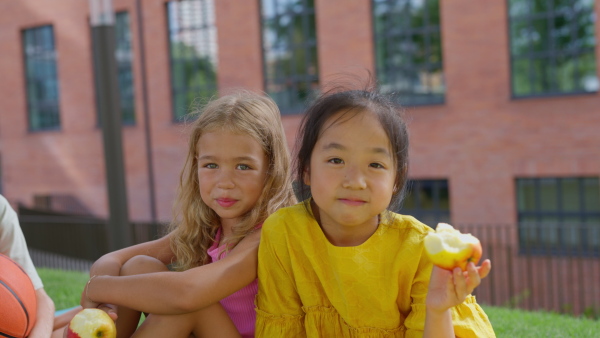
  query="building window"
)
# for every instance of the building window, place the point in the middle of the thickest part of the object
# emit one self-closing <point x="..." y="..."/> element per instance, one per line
<point x="41" y="78"/>
<point x="428" y="201"/>
<point x="290" y="52"/>
<point x="124" y="58"/>
<point x="408" y="50"/>
<point x="559" y="215"/>
<point x="193" y="52"/>
<point x="552" y="45"/>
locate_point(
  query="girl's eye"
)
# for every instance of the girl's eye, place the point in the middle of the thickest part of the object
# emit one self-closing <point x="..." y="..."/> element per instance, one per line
<point x="211" y="166"/>
<point x="243" y="167"/>
<point x="376" y="165"/>
<point x="336" y="161"/>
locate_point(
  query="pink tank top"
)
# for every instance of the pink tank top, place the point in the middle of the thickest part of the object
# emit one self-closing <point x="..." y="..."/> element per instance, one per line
<point x="240" y="305"/>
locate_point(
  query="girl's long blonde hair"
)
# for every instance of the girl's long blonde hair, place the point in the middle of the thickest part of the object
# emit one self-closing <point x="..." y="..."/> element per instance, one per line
<point x="195" y="225"/>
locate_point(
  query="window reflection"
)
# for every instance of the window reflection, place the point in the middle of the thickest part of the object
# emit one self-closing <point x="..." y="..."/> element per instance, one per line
<point x="552" y="47"/>
<point x="408" y="50"/>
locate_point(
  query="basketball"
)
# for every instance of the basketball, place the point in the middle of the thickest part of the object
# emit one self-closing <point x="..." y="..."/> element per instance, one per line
<point x="18" y="304"/>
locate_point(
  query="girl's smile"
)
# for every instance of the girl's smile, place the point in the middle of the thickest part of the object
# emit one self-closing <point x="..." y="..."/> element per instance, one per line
<point x="226" y="202"/>
<point x="352" y="201"/>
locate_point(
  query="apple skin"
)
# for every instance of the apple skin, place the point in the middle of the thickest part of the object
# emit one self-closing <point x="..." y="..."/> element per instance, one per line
<point x="91" y="323"/>
<point x="448" y="248"/>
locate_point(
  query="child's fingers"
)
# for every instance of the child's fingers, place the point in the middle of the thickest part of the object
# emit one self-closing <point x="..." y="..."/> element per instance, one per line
<point x="460" y="284"/>
<point x="473" y="277"/>
<point x="485" y="268"/>
<point x="110" y="310"/>
<point x="88" y="304"/>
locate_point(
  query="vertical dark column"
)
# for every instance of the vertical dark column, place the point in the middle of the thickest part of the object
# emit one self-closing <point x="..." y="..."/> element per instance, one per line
<point x="105" y="68"/>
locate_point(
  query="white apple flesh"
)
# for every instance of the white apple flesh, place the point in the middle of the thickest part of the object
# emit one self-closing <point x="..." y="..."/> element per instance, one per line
<point x="449" y="248"/>
<point x="91" y="323"/>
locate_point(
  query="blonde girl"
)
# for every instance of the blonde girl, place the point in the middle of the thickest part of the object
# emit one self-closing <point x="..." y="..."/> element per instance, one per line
<point x="340" y="264"/>
<point x="235" y="175"/>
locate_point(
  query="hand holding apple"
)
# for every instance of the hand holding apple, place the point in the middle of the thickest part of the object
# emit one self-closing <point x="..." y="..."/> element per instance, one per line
<point x="449" y="248"/>
<point x="449" y="288"/>
<point x="91" y="323"/>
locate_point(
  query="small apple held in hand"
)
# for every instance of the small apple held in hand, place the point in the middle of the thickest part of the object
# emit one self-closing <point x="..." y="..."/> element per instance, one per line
<point x="91" y="323"/>
<point x="448" y="248"/>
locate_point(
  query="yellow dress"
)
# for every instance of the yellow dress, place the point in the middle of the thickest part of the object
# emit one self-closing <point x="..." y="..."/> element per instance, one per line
<point x="311" y="288"/>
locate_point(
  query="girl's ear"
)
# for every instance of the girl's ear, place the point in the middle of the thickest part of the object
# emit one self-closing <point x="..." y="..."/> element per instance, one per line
<point x="306" y="177"/>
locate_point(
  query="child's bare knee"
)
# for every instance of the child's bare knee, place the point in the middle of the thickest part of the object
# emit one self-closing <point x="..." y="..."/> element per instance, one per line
<point x="142" y="264"/>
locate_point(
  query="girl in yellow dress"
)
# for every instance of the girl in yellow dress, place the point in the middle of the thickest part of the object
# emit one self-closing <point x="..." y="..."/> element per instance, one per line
<point x="340" y="264"/>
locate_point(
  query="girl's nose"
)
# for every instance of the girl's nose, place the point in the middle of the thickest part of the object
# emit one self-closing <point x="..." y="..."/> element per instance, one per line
<point x="225" y="181"/>
<point x="354" y="179"/>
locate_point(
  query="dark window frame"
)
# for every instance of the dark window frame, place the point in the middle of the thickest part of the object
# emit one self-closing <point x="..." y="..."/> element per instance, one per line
<point x="203" y="65"/>
<point x="124" y="58"/>
<point x="550" y="82"/>
<point x="415" y="187"/>
<point x="124" y="63"/>
<point x="538" y="228"/>
<point x="291" y="91"/>
<point x="43" y="114"/>
<point x="399" y="66"/>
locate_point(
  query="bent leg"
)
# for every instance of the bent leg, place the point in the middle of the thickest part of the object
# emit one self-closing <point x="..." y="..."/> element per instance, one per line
<point x="211" y="321"/>
<point x="128" y="319"/>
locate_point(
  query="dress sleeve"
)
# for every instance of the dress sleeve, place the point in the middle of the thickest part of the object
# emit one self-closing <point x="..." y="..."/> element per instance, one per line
<point x="415" y="321"/>
<point x="278" y="307"/>
<point x="470" y="321"/>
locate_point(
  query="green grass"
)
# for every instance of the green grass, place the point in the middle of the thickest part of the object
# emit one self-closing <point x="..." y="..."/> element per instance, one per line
<point x="65" y="287"/>
<point x="515" y="323"/>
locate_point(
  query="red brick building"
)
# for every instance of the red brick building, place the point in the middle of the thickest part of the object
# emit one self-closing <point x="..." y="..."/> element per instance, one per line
<point x="499" y="118"/>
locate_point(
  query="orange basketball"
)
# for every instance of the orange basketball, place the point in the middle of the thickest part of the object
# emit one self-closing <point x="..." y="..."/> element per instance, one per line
<point x="18" y="304"/>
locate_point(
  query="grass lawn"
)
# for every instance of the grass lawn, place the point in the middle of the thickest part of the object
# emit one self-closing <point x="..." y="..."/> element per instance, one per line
<point x="516" y="323"/>
<point x="65" y="287"/>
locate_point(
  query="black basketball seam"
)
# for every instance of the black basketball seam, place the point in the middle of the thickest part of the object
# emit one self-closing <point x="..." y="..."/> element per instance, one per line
<point x="20" y="302"/>
<point x="6" y="335"/>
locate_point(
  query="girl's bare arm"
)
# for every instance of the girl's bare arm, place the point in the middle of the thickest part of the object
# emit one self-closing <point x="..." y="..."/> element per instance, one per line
<point x="111" y="263"/>
<point x="181" y="292"/>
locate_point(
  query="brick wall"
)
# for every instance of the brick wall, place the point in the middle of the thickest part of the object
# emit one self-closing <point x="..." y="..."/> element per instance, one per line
<point x="479" y="139"/>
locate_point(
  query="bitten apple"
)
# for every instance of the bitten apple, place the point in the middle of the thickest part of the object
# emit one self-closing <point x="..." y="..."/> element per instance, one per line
<point x="449" y="248"/>
<point x="91" y="323"/>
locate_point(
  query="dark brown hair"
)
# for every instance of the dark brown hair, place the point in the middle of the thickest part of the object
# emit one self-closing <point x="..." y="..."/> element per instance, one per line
<point x="354" y="102"/>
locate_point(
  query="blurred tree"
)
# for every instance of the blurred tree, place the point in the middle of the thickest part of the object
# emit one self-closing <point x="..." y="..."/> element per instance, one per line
<point x="290" y="52"/>
<point x="552" y="46"/>
<point x="193" y="76"/>
<point x="409" y="49"/>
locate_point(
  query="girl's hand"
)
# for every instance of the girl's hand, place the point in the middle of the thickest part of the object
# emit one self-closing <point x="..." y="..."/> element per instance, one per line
<point x="110" y="309"/>
<point x="450" y="288"/>
<point x="85" y="301"/>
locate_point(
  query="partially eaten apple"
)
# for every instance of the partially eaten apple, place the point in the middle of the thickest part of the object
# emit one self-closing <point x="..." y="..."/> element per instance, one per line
<point x="91" y="323"/>
<point x="449" y="248"/>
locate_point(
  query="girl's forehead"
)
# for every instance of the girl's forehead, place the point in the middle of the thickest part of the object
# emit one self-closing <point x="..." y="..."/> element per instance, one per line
<point x="226" y="131"/>
<point x="356" y="129"/>
<point x="232" y="137"/>
<point x="345" y="118"/>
